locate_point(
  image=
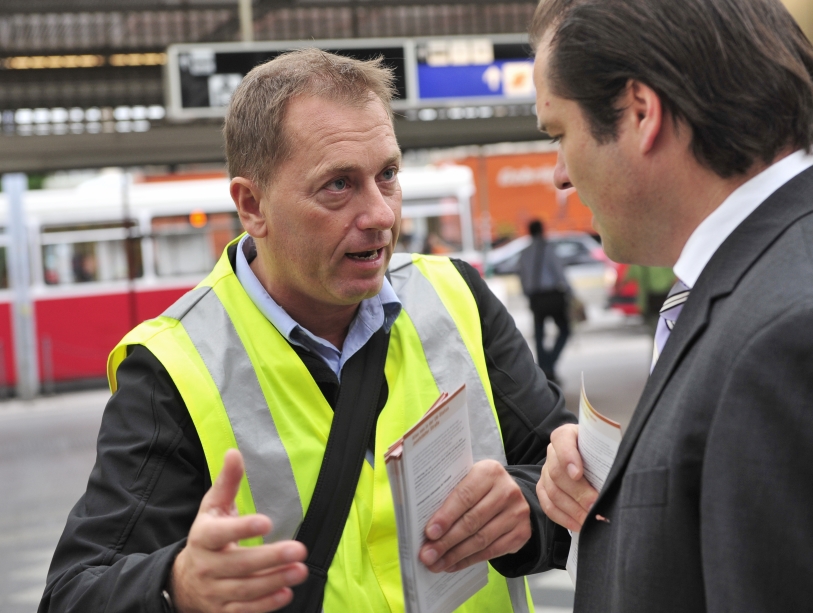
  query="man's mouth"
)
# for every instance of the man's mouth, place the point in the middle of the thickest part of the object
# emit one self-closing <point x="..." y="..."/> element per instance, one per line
<point x="365" y="256"/>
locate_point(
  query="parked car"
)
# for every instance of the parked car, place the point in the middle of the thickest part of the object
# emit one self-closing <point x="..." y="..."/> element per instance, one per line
<point x="624" y="293"/>
<point x="588" y="270"/>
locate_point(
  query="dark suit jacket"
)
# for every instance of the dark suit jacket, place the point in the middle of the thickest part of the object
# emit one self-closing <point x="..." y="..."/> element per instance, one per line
<point x="710" y="500"/>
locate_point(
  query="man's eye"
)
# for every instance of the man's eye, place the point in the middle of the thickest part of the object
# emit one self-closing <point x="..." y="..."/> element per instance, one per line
<point x="555" y="139"/>
<point x="389" y="174"/>
<point x="338" y="185"/>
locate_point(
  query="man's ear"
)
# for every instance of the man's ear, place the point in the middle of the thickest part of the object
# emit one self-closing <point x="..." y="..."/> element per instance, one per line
<point x="247" y="197"/>
<point x="645" y="110"/>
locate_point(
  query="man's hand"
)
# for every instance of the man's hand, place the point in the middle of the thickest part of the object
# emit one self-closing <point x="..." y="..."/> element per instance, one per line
<point x="214" y="574"/>
<point x="485" y="516"/>
<point x="564" y="493"/>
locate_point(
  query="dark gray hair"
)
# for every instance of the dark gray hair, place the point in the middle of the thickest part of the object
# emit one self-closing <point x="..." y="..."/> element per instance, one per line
<point x="739" y="73"/>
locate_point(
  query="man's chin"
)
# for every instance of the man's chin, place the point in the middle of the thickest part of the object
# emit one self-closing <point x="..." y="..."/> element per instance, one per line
<point x="355" y="292"/>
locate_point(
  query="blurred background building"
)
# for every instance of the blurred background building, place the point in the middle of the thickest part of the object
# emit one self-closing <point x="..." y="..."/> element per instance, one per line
<point x="92" y="71"/>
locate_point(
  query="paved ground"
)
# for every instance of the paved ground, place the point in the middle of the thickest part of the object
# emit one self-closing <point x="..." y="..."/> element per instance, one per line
<point x="47" y="451"/>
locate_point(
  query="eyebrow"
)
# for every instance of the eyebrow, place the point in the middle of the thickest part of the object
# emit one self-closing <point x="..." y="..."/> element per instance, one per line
<point x="348" y="167"/>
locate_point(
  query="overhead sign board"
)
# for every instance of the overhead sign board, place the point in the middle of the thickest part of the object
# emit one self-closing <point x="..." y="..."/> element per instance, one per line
<point x="200" y="78"/>
<point x="456" y="69"/>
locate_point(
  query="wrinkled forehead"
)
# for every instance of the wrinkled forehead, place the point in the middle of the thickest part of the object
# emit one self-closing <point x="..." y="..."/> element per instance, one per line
<point x="308" y="114"/>
<point x="330" y="133"/>
<point x="315" y="117"/>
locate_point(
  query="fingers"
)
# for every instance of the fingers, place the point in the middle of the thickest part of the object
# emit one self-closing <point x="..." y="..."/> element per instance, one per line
<point x="563" y="492"/>
<point x="507" y="543"/>
<point x="245" y="561"/>
<point x="271" y="602"/>
<point x="565" y="441"/>
<point x="214" y="533"/>
<point x="235" y="561"/>
<point x="237" y="578"/>
<point x="464" y="496"/>
<point x="506" y="532"/>
<point x="219" y="500"/>
<point x="493" y="519"/>
<point x="213" y="574"/>
<point x="571" y="515"/>
<point x="261" y="585"/>
<point x="563" y="452"/>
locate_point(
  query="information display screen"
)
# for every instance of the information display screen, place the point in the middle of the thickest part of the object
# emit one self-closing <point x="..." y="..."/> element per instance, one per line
<point x="208" y="77"/>
<point x="474" y="68"/>
<point x="200" y="78"/>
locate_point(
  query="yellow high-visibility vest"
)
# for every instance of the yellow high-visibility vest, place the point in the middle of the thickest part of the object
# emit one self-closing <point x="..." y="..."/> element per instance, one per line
<point x="246" y="388"/>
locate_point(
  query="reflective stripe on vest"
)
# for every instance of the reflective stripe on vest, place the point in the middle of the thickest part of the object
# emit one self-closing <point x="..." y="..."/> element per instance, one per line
<point x="230" y="357"/>
<point x="440" y="336"/>
<point x="212" y="332"/>
<point x="436" y="327"/>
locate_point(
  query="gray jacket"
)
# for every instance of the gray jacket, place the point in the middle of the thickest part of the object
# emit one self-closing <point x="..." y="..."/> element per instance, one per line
<point x="541" y="270"/>
<point x="708" y="504"/>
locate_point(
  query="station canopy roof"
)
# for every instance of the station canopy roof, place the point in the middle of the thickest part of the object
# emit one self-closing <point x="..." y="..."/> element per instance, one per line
<point x="82" y="82"/>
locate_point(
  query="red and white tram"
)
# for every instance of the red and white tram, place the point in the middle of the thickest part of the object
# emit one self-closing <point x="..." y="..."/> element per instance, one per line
<point x="111" y="253"/>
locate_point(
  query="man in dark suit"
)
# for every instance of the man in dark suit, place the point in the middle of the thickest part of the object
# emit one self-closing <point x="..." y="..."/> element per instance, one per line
<point x="687" y="129"/>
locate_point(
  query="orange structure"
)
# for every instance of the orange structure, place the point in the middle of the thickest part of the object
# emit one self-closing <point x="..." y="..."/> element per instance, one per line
<point x="516" y="188"/>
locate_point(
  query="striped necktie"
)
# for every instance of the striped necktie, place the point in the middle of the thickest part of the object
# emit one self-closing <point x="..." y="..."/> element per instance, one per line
<point x="670" y="311"/>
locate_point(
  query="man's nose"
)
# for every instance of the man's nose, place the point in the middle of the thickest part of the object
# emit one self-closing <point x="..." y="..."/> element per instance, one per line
<point x="560" y="177"/>
<point x="378" y="210"/>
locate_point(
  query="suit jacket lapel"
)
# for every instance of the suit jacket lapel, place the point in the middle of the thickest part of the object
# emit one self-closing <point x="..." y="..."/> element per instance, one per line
<point x="728" y="265"/>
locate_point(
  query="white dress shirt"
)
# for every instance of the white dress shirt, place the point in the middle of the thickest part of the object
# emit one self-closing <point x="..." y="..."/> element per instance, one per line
<point x="712" y="232"/>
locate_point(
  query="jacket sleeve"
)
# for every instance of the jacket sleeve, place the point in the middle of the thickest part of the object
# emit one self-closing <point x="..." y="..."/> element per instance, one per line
<point x="121" y="538"/>
<point x="757" y="480"/>
<point x="529" y="408"/>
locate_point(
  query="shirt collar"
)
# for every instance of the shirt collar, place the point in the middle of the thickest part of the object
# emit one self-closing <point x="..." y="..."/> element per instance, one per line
<point x="379" y="311"/>
<point x="717" y="227"/>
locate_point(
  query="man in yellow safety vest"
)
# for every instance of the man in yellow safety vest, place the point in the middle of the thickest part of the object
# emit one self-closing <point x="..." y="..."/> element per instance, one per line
<point x="255" y="359"/>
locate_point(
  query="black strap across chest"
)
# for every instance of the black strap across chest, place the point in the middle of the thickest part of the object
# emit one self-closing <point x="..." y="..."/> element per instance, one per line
<point x="353" y="421"/>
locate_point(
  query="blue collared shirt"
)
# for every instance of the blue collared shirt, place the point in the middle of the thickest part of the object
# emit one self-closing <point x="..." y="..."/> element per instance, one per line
<point x="379" y="311"/>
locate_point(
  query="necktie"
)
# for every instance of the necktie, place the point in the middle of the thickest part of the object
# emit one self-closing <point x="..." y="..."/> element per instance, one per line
<point x="670" y="311"/>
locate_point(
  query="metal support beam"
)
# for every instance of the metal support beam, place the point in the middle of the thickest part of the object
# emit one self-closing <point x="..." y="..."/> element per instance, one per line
<point x="203" y="142"/>
<point x="25" y="348"/>
<point x="246" y="20"/>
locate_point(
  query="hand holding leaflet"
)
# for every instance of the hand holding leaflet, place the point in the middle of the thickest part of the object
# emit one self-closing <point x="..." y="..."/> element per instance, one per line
<point x="599" y="438"/>
<point x="423" y="467"/>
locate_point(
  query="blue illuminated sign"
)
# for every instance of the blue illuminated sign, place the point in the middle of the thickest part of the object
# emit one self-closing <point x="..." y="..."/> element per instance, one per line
<point x="500" y="79"/>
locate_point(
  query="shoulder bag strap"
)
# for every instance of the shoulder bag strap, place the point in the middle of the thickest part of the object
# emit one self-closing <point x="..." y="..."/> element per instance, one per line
<point x="353" y="420"/>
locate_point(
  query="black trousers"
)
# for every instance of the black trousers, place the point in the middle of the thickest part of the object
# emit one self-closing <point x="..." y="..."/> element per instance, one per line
<point x="553" y="304"/>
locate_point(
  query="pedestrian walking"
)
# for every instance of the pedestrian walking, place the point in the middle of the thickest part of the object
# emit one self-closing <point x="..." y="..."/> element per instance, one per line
<point x="543" y="280"/>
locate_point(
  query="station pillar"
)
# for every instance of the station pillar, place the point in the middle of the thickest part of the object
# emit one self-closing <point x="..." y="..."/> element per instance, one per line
<point x="25" y="347"/>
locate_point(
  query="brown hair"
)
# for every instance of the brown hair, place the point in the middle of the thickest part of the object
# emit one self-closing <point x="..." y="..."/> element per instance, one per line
<point x="739" y="73"/>
<point x="254" y="129"/>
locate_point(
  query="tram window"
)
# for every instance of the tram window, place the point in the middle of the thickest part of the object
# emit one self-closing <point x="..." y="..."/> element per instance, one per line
<point x="84" y="262"/>
<point x="182" y="249"/>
